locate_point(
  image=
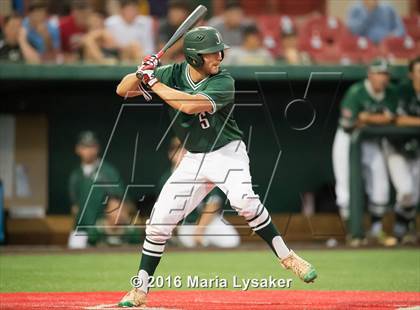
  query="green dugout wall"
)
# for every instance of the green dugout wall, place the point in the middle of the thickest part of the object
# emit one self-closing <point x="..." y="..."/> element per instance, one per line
<point x="288" y="115"/>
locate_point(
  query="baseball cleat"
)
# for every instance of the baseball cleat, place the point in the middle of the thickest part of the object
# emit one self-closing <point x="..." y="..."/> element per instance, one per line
<point x="134" y="298"/>
<point x="383" y="239"/>
<point x="357" y="242"/>
<point x="409" y="239"/>
<point x="300" y="267"/>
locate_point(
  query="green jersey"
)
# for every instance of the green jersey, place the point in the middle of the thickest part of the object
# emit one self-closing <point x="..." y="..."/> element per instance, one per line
<point x="203" y="132"/>
<point x="360" y="98"/>
<point x="80" y="186"/>
<point x="409" y="103"/>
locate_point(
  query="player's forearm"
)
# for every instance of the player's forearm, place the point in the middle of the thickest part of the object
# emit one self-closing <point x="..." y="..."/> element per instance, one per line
<point x="406" y="120"/>
<point x="374" y="119"/>
<point x="186" y="103"/>
<point x="29" y="53"/>
<point x="129" y="86"/>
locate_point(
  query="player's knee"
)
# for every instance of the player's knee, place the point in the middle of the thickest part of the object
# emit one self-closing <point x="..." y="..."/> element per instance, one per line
<point x="244" y="200"/>
<point x="158" y="232"/>
<point x="380" y="194"/>
<point x="253" y="211"/>
<point x="248" y="205"/>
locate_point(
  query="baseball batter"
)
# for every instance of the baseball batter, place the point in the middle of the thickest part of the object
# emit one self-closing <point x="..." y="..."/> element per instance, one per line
<point x="368" y="102"/>
<point x="404" y="157"/>
<point x="200" y="99"/>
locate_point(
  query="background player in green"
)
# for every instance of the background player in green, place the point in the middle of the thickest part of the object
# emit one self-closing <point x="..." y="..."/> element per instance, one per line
<point x="101" y="199"/>
<point x="201" y="100"/>
<point x="404" y="157"/>
<point x="371" y="101"/>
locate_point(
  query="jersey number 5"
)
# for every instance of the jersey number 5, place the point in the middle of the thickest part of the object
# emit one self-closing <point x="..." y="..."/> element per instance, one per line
<point x="204" y="122"/>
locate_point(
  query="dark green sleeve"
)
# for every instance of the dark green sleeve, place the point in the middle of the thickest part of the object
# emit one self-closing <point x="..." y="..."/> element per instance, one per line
<point x="392" y="100"/>
<point x="350" y="107"/>
<point x="73" y="190"/>
<point x="164" y="74"/>
<point x="112" y="176"/>
<point x="402" y="102"/>
<point x="162" y="181"/>
<point x="220" y="91"/>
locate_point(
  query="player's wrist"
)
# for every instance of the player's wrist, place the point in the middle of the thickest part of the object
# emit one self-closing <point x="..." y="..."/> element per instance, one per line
<point x="153" y="83"/>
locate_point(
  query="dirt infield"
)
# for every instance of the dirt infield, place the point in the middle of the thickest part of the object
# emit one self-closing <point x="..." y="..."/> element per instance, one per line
<point x="218" y="300"/>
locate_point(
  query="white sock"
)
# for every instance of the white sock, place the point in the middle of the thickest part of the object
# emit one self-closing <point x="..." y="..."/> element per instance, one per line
<point x="281" y="249"/>
<point x="143" y="277"/>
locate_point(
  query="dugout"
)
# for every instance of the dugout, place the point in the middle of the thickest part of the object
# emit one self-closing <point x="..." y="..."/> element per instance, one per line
<point x="288" y="114"/>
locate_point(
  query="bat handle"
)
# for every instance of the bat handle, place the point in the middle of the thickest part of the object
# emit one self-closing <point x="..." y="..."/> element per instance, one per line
<point x="160" y="54"/>
<point x="139" y="75"/>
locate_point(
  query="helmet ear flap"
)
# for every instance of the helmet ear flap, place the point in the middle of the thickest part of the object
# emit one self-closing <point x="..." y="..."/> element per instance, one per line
<point x="195" y="60"/>
<point x="200" y="60"/>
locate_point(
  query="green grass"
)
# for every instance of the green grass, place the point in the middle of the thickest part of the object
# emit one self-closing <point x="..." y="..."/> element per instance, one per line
<point x="389" y="270"/>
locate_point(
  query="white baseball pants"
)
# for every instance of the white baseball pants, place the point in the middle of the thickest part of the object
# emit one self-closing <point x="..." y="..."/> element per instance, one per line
<point x="374" y="172"/>
<point x="405" y="176"/>
<point x="192" y="180"/>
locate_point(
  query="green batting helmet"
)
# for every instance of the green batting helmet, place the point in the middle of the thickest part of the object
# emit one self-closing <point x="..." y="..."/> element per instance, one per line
<point x="202" y="40"/>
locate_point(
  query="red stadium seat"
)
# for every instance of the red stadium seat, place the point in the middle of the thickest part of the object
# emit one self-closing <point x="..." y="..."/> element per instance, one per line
<point x="356" y="49"/>
<point x="289" y="7"/>
<point x="412" y="26"/>
<point x="396" y="48"/>
<point x="269" y="25"/>
<point x="318" y="50"/>
<point x="319" y="36"/>
<point x="329" y="28"/>
<point x="272" y="27"/>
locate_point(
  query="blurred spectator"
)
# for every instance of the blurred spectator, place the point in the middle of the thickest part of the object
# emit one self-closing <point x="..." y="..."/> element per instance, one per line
<point x="300" y="8"/>
<point x="251" y="52"/>
<point x="231" y="24"/>
<point x="98" y="205"/>
<point x="41" y="34"/>
<point x="132" y="33"/>
<point x="289" y="43"/>
<point x="98" y="44"/>
<point x="9" y="40"/>
<point x="404" y="157"/>
<point x="73" y="27"/>
<point x="374" y="20"/>
<point x="178" y="11"/>
<point x="113" y="7"/>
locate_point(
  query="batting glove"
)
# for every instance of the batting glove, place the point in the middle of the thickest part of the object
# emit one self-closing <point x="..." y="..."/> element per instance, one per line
<point x="150" y="60"/>
<point x="147" y="75"/>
